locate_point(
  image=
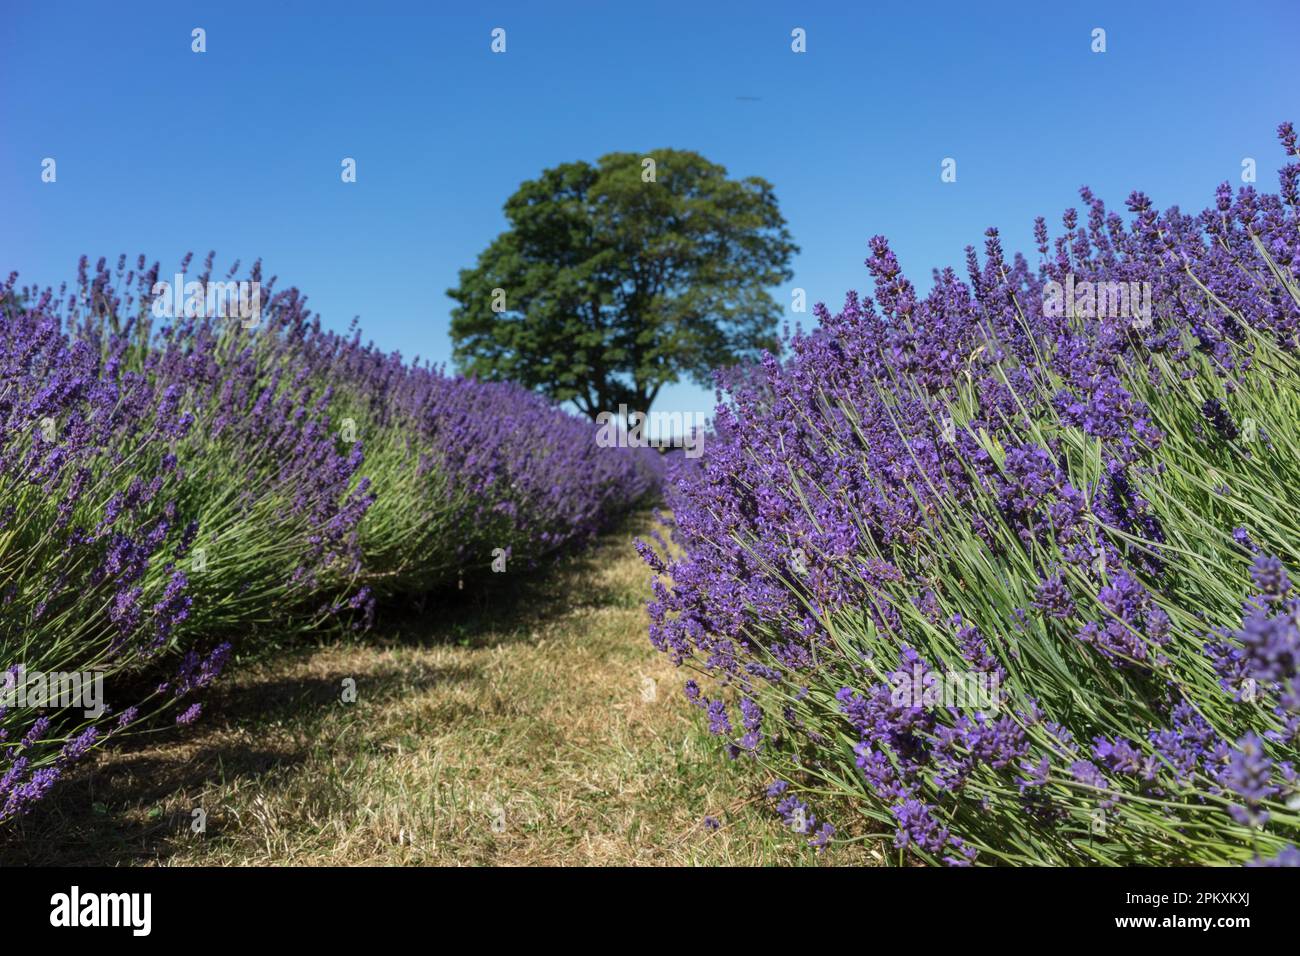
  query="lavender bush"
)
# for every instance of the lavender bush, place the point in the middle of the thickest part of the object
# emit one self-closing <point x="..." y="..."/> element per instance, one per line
<point x="1085" y="510"/>
<point x="91" y="534"/>
<point x="167" y="483"/>
<point x="463" y="470"/>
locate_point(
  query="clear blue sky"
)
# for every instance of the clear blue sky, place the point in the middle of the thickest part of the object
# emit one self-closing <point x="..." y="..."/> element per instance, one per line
<point x="163" y="151"/>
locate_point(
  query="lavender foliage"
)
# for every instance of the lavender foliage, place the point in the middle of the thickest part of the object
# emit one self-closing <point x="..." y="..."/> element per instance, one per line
<point x="1070" y="483"/>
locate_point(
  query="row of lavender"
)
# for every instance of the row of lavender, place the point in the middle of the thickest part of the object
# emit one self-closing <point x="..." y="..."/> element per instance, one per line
<point x="168" y="483"/>
<point x="1005" y="569"/>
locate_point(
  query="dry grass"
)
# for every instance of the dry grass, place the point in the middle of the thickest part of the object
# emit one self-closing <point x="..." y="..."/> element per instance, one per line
<point x="532" y="725"/>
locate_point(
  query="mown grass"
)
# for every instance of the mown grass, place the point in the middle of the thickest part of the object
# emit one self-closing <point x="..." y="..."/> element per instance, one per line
<point x="530" y="724"/>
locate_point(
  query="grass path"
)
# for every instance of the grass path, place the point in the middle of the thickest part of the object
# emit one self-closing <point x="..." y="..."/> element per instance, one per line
<point x="532" y="725"/>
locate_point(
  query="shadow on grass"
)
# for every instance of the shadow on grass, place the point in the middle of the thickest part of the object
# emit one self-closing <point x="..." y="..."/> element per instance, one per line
<point x="133" y="803"/>
<point x="494" y="609"/>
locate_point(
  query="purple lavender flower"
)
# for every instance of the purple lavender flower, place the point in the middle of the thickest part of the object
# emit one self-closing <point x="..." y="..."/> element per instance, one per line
<point x="1053" y="599"/>
<point x="1248" y="775"/>
<point x="1287" y="856"/>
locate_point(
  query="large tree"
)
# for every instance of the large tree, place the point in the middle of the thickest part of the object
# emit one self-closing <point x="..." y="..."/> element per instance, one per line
<point x="616" y="279"/>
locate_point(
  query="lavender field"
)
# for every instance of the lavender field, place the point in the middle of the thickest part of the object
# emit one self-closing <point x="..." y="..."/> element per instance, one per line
<point x="1007" y="571"/>
<point x="171" y="485"/>
<point x="677" y="436"/>
<point x="1002" y="572"/>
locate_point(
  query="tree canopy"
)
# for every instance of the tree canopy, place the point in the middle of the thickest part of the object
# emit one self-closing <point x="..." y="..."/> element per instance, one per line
<point x="618" y="278"/>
